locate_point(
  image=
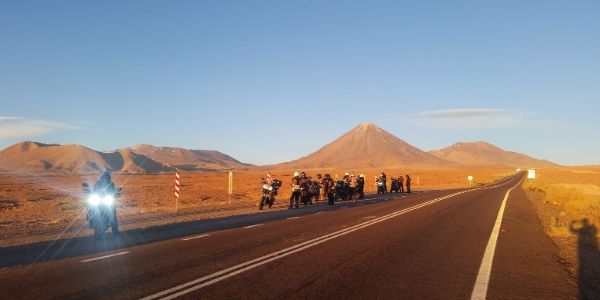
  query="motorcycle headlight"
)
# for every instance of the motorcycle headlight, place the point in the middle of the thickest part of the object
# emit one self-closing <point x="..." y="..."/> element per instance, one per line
<point x="108" y="200"/>
<point x="94" y="200"/>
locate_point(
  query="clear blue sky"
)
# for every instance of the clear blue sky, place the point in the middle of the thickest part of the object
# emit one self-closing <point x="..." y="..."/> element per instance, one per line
<point x="269" y="81"/>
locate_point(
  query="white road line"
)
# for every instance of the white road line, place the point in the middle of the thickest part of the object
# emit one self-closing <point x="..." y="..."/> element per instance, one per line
<point x="319" y="212"/>
<point x="104" y="257"/>
<point x="195" y="237"/>
<point x="485" y="270"/>
<point x="199" y="283"/>
<point x="255" y="225"/>
<point x="292" y="218"/>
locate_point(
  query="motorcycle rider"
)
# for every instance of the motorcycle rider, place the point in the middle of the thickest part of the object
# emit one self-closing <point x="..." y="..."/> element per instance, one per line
<point x="353" y="185"/>
<point x="384" y="179"/>
<point x="408" y="184"/>
<point x="328" y="186"/>
<point x="401" y="182"/>
<point x="305" y="189"/>
<point x="360" y="186"/>
<point x="295" y="196"/>
<point x="106" y="186"/>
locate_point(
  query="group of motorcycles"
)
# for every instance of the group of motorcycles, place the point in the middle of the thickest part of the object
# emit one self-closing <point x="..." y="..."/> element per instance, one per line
<point x="101" y="199"/>
<point x="333" y="190"/>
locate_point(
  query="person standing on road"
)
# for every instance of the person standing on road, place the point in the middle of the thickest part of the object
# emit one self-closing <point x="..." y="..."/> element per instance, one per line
<point x="295" y="196"/>
<point x="401" y="182"/>
<point x="353" y="185"/>
<point x="360" y="186"/>
<point x="305" y="189"/>
<point x="407" y="183"/>
<point x="384" y="179"/>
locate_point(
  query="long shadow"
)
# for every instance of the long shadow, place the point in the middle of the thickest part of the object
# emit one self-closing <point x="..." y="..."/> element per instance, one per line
<point x="589" y="258"/>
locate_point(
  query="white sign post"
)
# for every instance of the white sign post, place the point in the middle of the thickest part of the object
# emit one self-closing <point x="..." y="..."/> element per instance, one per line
<point x="531" y="174"/>
<point x="230" y="190"/>
<point x="470" y="179"/>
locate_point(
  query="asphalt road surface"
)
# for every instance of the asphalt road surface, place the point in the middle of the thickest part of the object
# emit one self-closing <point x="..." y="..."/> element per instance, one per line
<point x="478" y="243"/>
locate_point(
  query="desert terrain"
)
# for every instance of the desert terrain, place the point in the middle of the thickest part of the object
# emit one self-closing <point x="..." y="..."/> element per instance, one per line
<point x="568" y="204"/>
<point x="33" y="203"/>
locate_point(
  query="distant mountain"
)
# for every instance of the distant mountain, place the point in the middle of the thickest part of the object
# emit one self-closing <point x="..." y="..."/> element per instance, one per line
<point x="185" y="159"/>
<point x="486" y="154"/>
<point x="33" y="157"/>
<point x="365" y="146"/>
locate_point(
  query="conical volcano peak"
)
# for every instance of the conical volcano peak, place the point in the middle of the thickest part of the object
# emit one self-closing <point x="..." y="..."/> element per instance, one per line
<point x="365" y="146"/>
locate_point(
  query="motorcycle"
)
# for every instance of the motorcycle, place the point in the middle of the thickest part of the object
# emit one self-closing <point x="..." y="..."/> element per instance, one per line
<point x="395" y="186"/>
<point x="101" y="210"/>
<point x="342" y="190"/>
<point x="380" y="187"/>
<point x="269" y="191"/>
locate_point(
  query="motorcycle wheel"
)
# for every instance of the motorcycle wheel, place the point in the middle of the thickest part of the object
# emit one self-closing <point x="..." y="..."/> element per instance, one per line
<point x="115" y="227"/>
<point x="271" y="201"/>
<point x="98" y="230"/>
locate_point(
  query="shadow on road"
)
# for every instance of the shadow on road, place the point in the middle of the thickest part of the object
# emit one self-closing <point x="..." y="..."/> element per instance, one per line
<point x="589" y="258"/>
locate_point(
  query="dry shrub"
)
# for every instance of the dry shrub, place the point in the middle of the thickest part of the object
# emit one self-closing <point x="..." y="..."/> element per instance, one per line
<point x="569" y="195"/>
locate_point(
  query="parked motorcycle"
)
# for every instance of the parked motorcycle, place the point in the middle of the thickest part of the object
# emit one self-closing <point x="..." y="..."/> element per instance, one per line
<point x="269" y="191"/>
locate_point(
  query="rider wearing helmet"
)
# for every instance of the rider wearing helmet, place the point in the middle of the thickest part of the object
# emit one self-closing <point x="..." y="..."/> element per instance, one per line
<point x="295" y="196"/>
<point x="105" y="185"/>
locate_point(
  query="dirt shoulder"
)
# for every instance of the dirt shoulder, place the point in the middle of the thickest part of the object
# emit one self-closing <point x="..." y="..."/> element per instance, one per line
<point x="576" y="242"/>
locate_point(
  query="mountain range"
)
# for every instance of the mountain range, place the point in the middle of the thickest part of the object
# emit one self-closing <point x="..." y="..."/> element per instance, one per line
<point x="365" y="146"/>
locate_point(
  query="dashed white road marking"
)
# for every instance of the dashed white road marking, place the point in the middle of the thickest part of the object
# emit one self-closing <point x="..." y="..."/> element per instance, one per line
<point x="292" y="218"/>
<point x="255" y="225"/>
<point x="213" y="278"/>
<point x="195" y="237"/>
<point x="485" y="270"/>
<point x="104" y="257"/>
<point x="319" y="212"/>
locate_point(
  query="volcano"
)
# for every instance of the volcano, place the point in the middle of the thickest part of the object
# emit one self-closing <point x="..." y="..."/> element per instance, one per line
<point x="365" y="146"/>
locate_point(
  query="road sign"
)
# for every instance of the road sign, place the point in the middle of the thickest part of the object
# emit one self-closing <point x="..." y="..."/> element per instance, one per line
<point x="531" y="174"/>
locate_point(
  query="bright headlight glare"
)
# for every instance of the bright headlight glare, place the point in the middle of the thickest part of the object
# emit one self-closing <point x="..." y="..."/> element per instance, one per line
<point x="108" y="200"/>
<point x="94" y="200"/>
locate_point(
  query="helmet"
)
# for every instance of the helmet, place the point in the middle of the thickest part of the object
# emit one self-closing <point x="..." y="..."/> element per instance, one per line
<point x="105" y="176"/>
<point x="361" y="175"/>
<point x="347" y="173"/>
<point x="296" y="174"/>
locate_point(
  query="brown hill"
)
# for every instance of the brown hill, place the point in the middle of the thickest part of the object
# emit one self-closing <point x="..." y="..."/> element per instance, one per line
<point x="37" y="157"/>
<point x="190" y="159"/>
<point x="486" y="154"/>
<point x="365" y="146"/>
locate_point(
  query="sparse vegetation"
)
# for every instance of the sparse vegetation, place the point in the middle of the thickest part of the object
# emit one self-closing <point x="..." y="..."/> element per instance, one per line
<point x="568" y="204"/>
<point x="565" y="201"/>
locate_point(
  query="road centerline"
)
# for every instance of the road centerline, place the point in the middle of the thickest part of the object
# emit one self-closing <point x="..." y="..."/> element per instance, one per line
<point x="195" y="237"/>
<point x="104" y="257"/>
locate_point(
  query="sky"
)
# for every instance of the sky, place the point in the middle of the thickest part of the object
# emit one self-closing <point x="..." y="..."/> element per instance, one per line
<point x="270" y="81"/>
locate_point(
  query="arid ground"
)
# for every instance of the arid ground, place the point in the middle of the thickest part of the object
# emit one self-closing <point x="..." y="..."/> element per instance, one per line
<point x="31" y="203"/>
<point x="568" y="204"/>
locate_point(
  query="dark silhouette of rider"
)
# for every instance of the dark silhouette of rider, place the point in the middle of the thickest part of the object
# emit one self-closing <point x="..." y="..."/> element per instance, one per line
<point x="105" y="185"/>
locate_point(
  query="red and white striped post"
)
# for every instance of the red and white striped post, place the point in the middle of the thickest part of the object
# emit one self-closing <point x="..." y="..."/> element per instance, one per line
<point x="176" y="190"/>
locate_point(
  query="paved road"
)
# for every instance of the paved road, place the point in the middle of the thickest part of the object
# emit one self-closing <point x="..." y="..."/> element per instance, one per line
<point x="436" y="245"/>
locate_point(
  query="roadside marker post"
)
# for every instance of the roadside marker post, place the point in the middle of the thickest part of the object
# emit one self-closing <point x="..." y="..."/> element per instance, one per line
<point x="176" y="190"/>
<point x="230" y="190"/>
<point x="470" y="179"/>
